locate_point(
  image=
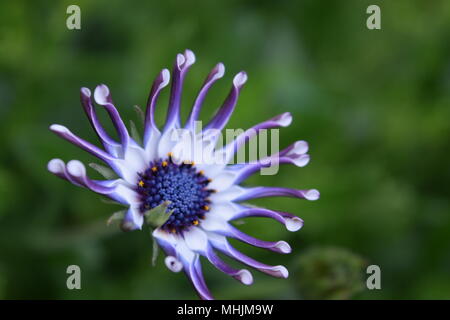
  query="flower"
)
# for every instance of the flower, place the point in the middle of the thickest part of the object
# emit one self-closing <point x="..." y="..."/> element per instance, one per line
<point x="202" y="195"/>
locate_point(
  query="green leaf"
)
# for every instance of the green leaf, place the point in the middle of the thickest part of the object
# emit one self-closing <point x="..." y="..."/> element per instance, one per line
<point x="157" y="216"/>
<point x="109" y="201"/>
<point x="139" y="113"/>
<point x="134" y="132"/>
<point x="155" y="250"/>
<point x="250" y="205"/>
<point x="106" y="172"/>
<point x="116" y="216"/>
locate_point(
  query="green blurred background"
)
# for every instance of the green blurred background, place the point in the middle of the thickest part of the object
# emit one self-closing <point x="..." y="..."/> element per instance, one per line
<point x="373" y="104"/>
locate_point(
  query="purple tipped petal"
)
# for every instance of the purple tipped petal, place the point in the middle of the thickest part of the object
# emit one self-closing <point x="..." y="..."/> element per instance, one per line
<point x="294" y="154"/>
<point x="86" y="100"/>
<point x="175" y="246"/>
<point x="291" y="222"/>
<point x="224" y="246"/>
<point x="246" y="170"/>
<point x="182" y="65"/>
<point x="224" y="113"/>
<point x="243" y="276"/>
<point x="77" y="171"/>
<point x="299" y="147"/>
<point x="160" y="82"/>
<point x="58" y="168"/>
<point x="279" y="246"/>
<point x="282" y="120"/>
<point x="194" y="272"/>
<point x="214" y="75"/>
<point x="103" y="97"/>
<point x="65" y="133"/>
<point x="263" y="192"/>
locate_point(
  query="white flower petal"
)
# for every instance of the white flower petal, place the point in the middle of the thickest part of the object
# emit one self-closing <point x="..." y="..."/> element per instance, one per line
<point x="224" y="210"/>
<point x="125" y="192"/>
<point x="166" y="236"/>
<point x="223" y="180"/>
<point x="151" y="147"/>
<point x="214" y="222"/>
<point x="184" y="252"/>
<point x="167" y="141"/>
<point x="228" y="195"/>
<point x="196" y="239"/>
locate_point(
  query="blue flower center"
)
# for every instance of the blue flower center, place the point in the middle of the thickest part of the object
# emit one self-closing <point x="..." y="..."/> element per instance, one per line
<point x="182" y="185"/>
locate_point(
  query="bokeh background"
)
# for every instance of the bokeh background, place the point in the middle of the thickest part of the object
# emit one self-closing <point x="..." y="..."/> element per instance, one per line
<point x="374" y="106"/>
